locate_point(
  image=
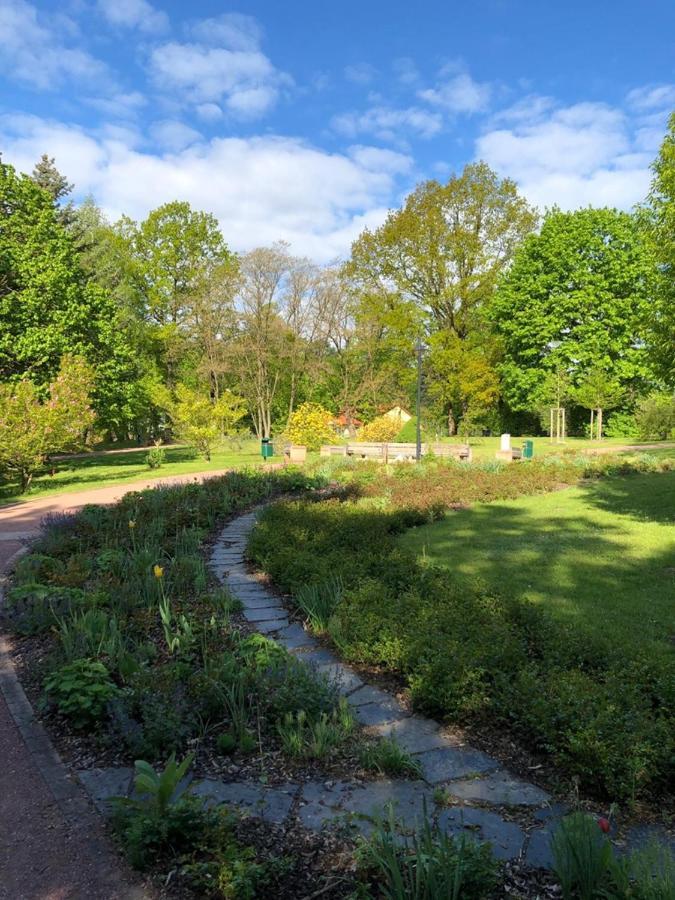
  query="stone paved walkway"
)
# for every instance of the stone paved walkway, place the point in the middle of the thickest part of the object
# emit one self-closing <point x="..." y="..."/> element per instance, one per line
<point x="466" y="775"/>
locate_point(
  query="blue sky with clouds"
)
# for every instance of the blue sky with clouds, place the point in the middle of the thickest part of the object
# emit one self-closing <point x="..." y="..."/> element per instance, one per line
<point x="306" y="121"/>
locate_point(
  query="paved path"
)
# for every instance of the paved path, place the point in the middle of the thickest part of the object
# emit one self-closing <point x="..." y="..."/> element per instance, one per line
<point x="52" y="847"/>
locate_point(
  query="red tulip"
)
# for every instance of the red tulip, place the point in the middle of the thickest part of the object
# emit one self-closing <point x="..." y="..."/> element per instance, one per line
<point x="603" y="825"/>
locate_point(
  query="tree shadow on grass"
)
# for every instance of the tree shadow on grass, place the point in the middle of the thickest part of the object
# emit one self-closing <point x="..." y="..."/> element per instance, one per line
<point x="581" y="570"/>
<point x="648" y="497"/>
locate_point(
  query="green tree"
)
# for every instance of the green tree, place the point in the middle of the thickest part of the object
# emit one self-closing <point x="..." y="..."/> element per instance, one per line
<point x="32" y="429"/>
<point x="49" y="309"/>
<point x="435" y="264"/>
<point x="575" y="299"/>
<point x="597" y="391"/>
<point x="446" y="247"/>
<point x="200" y="422"/>
<point x="47" y="176"/>
<point x="660" y="221"/>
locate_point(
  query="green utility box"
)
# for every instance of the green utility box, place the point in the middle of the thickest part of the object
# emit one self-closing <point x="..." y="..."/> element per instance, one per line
<point x="528" y="449"/>
<point x="266" y="448"/>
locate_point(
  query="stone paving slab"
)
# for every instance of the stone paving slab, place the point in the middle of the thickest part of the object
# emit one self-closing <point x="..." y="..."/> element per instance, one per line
<point x="102" y="784"/>
<point x="447" y="763"/>
<point x="273" y="626"/>
<point x="500" y="788"/>
<point x="413" y="734"/>
<point x="270" y="803"/>
<point x="264" y="615"/>
<point x="506" y="838"/>
<point x="379" y="713"/>
<point x="320" y="803"/>
<point x="343" y="677"/>
<point x="374" y="799"/>
<point x="295" y="637"/>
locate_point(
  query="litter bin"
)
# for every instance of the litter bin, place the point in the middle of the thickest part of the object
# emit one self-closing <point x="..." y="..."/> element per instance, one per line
<point x="266" y="448"/>
<point x="528" y="449"/>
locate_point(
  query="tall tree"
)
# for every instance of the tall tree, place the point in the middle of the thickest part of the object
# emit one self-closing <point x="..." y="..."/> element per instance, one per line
<point x="575" y="299"/>
<point x="443" y="253"/>
<point x="448" y="245"/>
<point x="48" y="309"/>
<point x="660" y="220"/>
<point x="47" y="176"/>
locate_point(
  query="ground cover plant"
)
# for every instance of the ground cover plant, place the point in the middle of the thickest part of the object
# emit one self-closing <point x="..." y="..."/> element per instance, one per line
<point x="601" y="708"/>
<point x="141" y="656"/>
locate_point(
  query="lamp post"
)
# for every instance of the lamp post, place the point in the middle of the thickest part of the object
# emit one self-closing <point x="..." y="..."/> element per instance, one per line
<point x="419" y="347"/>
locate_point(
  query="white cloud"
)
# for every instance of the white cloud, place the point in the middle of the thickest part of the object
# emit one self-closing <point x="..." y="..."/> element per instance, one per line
<point x="388" y="123"/>
<point x="34" y="50"/>
<point x="406" y="70"/>
<point x="652" y="97"/>
<point x="245" y="82"/>
<point x="134" y="14"/>
<point x="572" y="156"/>
<point x="458" y="94"/>
<point x="120" y="105"/>
<point x="172" y="135"/>
<point x="262" y="189"/>
<point x="360" y="73"/>
<point x="233" y="30"/>
<point x="209" y="112"/>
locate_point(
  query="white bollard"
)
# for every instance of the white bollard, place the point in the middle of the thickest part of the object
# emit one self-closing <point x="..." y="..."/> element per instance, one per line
<point x="505" y="442"/>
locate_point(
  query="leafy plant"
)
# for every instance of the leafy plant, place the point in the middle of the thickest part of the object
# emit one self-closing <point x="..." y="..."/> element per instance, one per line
<point x="315" y="738"/>
<point x="81" y="690"/>
<point x="583" y="858"/>
<point x="426" y="866"/>
<point x="155" y="457"/>
<point x="387" y="757"/>
<point x="319" y="601"/>
<point x="309" y="425"/>
<point x="156" y="791"/>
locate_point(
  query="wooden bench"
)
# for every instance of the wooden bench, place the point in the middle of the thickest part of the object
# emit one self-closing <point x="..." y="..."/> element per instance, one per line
<point x="452" y="451"/>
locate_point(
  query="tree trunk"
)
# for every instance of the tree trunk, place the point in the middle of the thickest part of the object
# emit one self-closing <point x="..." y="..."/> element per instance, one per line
<point x="591" y="429"/>
<point x="452" y="424"/>
<point x="598" y="424"/>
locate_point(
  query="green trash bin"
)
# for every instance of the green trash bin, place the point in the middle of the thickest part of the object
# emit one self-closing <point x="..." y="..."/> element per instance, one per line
<point x="528" y="449"/>
<point x="266" y="448"/>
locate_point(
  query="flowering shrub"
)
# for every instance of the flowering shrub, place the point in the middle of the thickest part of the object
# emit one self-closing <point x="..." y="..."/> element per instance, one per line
<point x="309" y="425"/>
<point x="383" y="428"/>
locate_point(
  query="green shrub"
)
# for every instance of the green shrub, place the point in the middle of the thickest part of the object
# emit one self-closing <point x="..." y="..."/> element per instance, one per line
<point x="655" y="417"/>
<point x="621" y="425"/>
<point x="155" y="457"/>
<point x="81" y="691"/>
<point x="34" y="608"/>
<point x="604" y="714"/>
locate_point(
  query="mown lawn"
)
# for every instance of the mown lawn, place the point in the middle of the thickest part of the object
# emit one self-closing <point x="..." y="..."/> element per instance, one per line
<point x="601" y="555"/>
<point x="484" y="448"/>
<point x="100" y="471"/>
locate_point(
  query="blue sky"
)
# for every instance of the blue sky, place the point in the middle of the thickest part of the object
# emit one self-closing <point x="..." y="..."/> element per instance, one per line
<point x="306" y="121"/>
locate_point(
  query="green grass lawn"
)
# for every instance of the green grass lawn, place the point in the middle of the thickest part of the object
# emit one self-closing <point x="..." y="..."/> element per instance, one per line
<point x="100" y="471"/>
<point x="485" y="447"/>
<point x="601" y="555"/>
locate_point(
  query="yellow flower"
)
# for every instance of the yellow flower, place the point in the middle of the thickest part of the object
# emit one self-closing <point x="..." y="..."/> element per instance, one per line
<point x="158" y="570"/>
<point x="132" y="523"/>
